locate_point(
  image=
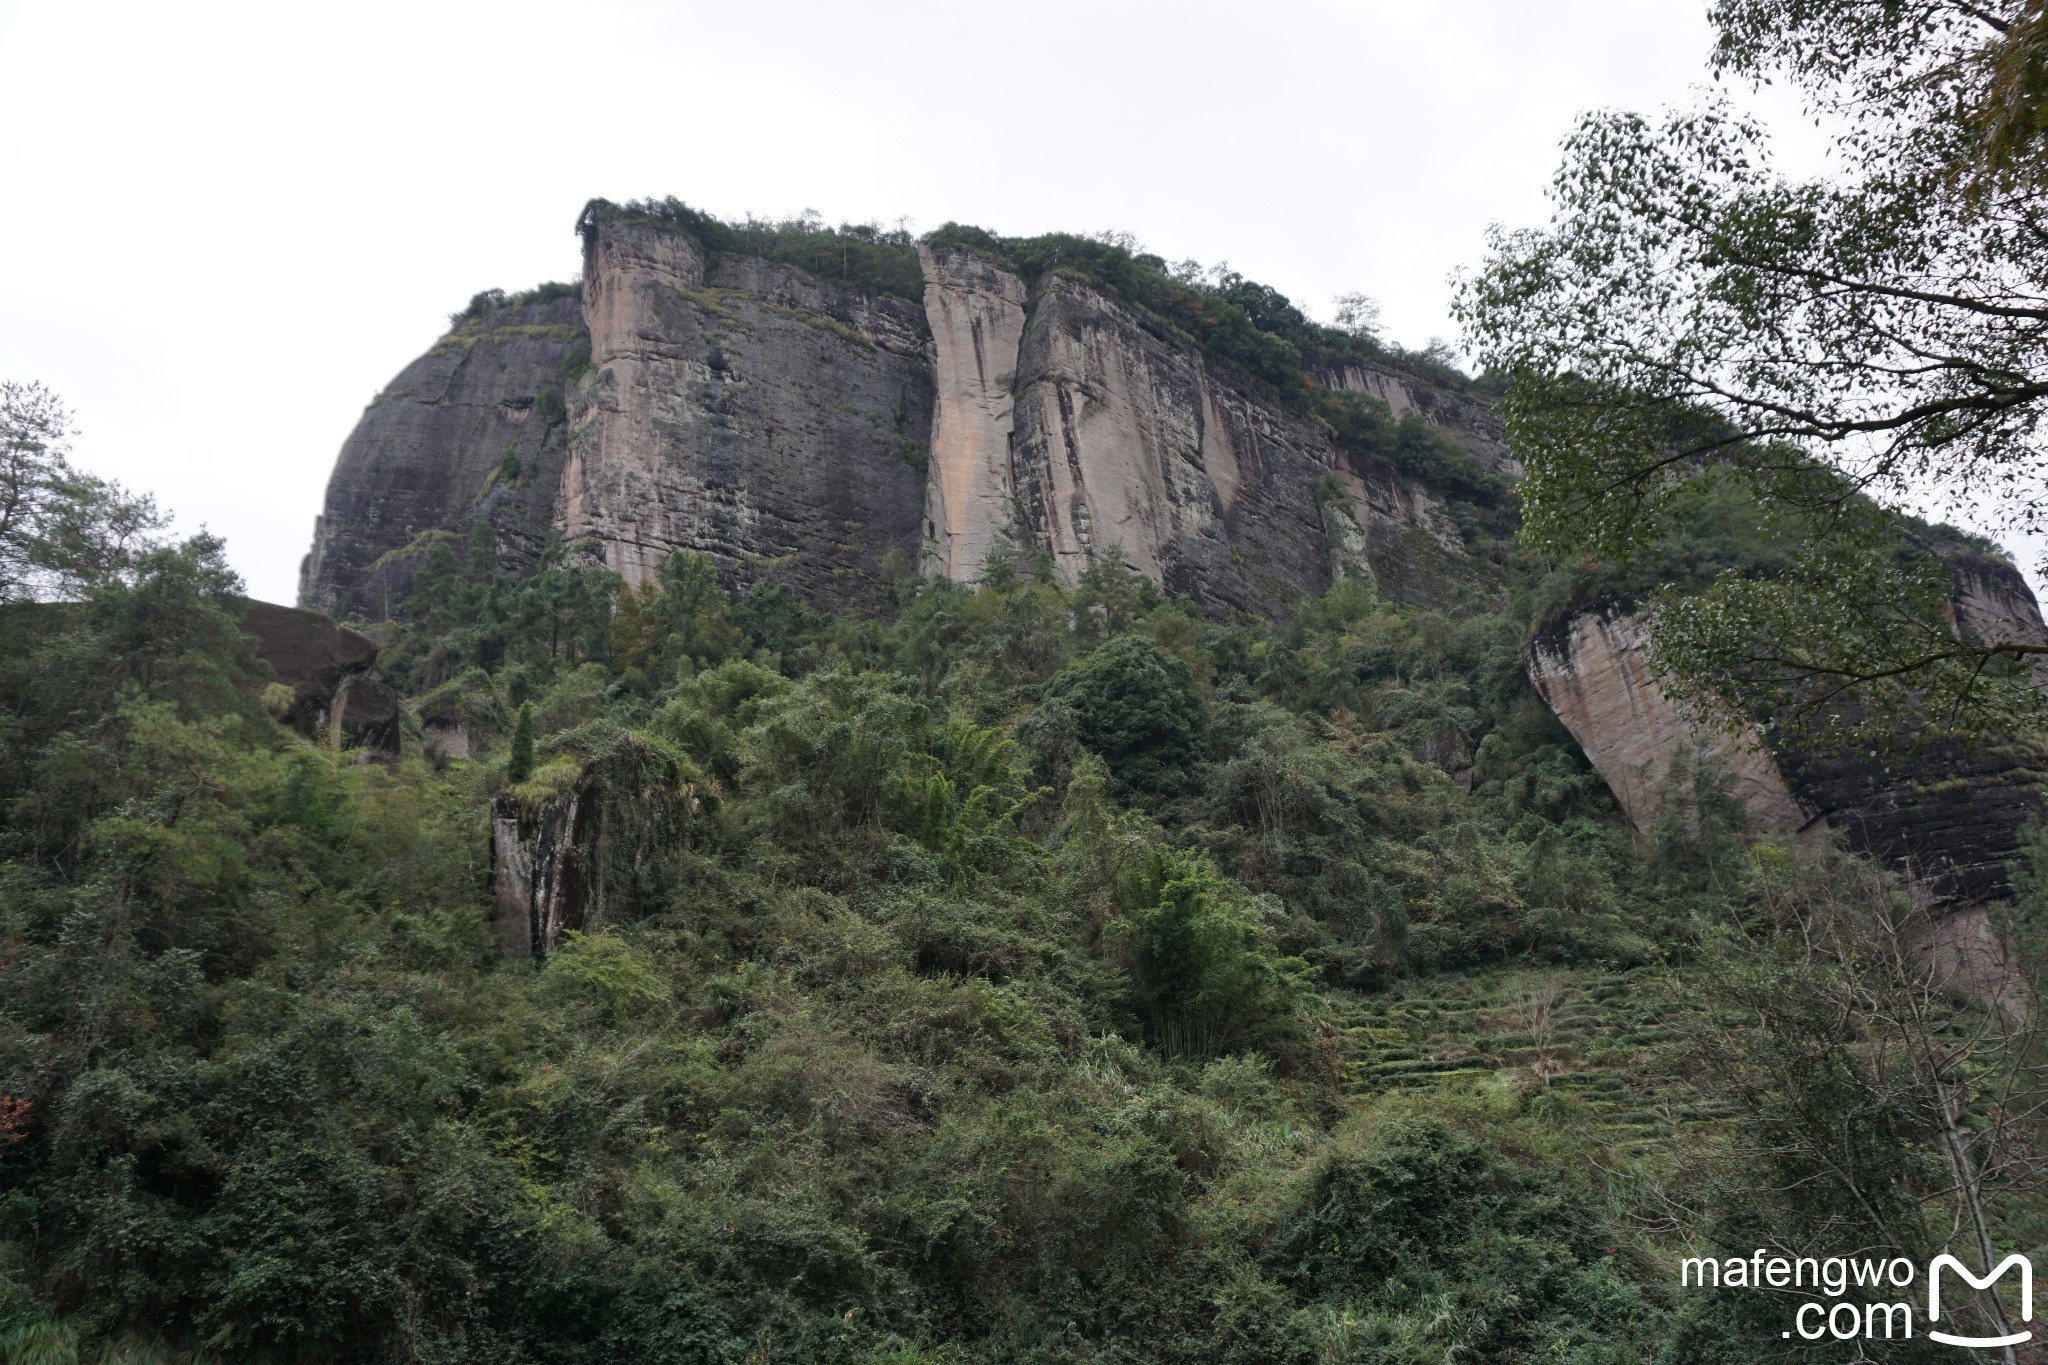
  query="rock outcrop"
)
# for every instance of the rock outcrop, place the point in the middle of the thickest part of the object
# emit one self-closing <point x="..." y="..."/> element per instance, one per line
<point x="822" y="435"/>
<point x="1118" y="432"/>
<point x="541" y="868"/>
<point x="749" y="412"/>
<point x="1993" y="602"/>
<point x="430" y="455"/>
<point x="976" y="310"/>
<point x="336" y="697"/>
<point x="1948" y="815"/>
<point x="590" y="830"/>
<point x="1593" y="671"/>
<point x="462" y="717"/>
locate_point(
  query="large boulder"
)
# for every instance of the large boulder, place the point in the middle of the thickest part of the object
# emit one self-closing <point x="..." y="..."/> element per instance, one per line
<point x="337" y="698"/>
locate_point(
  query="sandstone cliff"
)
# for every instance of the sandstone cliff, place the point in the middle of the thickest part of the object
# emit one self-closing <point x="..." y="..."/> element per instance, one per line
<point x="541" y="869"/>
<point x="1071" y="423"/>
<point x="976" y="310"/>
<point x="428" y="457"/>
<point x="1951" y="815"/>
<point x="770" y="420"/>
<point x="821" y="435"/>
<point x="1593" y="671"/>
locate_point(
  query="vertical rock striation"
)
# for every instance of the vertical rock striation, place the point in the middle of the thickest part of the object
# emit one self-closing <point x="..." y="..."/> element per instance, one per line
<point x="1119" y="433"/>
<point x="1113" y="436"/>
<point x="772" y="421"/>
<point x="975" y="309"/>
<point x="541" y="869"/>
<point x="817" y="434"/>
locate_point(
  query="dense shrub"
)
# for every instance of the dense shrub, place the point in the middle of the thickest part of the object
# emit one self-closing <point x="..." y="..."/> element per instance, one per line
<point x="1136" y="706"/>
<point x="488" y="301"/>
<point x="862" y="254"/>
<point x="979" y="984"/>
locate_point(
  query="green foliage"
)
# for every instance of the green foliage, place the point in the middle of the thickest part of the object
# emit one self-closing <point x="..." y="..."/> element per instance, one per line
<point x="1013" y="979"/>
<point x="60" y="530"/>
<point x="1880" y="1101"/>
<point x="489" y="301"/>
<point x="1204" y="976"/>
<point x="1434" y="1246"/>
<point x="1136" y="706"/>
<point x="1831" y="346"/>
<point x="519" y="762"/>
<point x="1362" y="423"/>
<point x="1754" y="617"/>
<point x="468" y="613"/>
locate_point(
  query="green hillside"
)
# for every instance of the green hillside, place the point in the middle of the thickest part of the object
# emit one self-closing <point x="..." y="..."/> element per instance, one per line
<point x="1039" y="974"/>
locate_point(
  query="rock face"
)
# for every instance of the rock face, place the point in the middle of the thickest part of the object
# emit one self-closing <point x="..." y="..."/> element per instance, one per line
<point x="977" y="311"/>
<point x="336" y="697"/>
<point x="1593" y="671"/>
<point x="428" y="457"/>
<point x="1950" y="815"/>
<point x="1119" y="432"/>
<point x="820" y="435"/>
<point x="753" y="413"/>
<point x="1993" y="602"/>
<point x="540" y="869"/>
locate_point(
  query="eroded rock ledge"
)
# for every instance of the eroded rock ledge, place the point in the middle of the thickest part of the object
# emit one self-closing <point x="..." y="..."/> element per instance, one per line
<point x="1950" y="816"/>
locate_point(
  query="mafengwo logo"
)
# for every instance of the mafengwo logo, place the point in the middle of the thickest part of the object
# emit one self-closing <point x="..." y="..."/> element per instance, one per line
<point x="2026" y="1269"/>
<point x="1847" y="1319"/>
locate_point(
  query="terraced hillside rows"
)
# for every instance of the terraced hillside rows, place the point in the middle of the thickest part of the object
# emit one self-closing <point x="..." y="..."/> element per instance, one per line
<point x="1600" y="1040"/>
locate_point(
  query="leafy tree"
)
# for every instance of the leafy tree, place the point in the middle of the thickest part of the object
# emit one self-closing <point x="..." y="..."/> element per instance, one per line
<point x="61" y="531"/>
<point x="519" y="762"/>
<point x="1359" y="315"/>
<point x="1825" y="344"/>
<point x="1887" y="1075"/>
<point x="681" y="615"/>
<point x="1205" y="978"/>
<point x="1136" y="707"/>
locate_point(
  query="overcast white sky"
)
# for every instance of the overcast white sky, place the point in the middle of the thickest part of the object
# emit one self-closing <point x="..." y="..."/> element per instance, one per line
<point x="225" y="226"/>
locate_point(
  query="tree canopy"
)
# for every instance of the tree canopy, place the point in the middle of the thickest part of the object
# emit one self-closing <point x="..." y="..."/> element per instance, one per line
<point x="1835" y="346"/>
<point x="60" y="530"/>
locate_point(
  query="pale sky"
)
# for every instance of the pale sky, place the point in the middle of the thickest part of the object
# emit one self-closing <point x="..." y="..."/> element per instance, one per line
<point x="226" y="226"/>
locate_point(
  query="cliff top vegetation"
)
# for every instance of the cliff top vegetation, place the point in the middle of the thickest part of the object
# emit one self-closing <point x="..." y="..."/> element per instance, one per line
<point x="1253" y="326"/>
